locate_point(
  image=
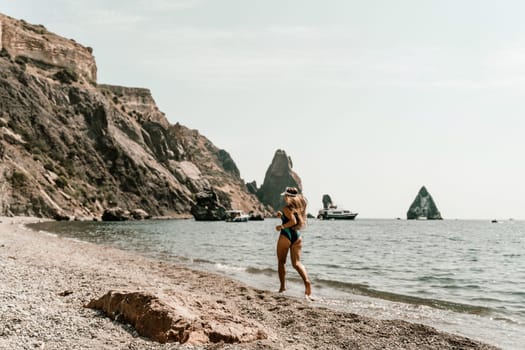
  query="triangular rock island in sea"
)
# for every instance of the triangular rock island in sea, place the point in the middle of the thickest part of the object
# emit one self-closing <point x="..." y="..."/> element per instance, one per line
<point x="423" y="207"/>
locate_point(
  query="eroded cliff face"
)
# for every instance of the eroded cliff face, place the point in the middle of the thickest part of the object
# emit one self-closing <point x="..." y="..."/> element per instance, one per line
<point x="71" y="148"/>
<point x="35" y="42"/>
<point x="278" y="176"/>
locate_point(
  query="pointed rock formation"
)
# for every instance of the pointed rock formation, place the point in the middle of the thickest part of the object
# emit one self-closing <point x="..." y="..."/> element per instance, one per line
<point x="278" y="176"/>
<point x="327" y="201"/>
<point x="423" y="207"/>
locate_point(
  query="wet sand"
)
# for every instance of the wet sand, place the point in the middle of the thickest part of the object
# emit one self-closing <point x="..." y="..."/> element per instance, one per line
<point x="46" y="281"/>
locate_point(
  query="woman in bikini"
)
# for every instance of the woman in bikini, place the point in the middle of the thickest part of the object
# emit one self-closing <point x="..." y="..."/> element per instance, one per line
<point x="293" y="219"/>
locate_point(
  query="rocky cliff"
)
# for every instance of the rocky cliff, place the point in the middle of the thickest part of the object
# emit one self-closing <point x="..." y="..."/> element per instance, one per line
<point x="70" y="147"/>
<point x="34" y="42"/>
<point x="278" y="176"/>
<point x="423" y="207"/>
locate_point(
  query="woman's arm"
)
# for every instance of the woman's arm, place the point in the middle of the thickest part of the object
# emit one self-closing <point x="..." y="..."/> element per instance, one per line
<point x="292" y="219"/>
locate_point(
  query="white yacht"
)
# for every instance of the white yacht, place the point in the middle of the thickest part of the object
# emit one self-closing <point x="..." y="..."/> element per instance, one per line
<point x="236" y="216"/>
<point x="333" y="213"/>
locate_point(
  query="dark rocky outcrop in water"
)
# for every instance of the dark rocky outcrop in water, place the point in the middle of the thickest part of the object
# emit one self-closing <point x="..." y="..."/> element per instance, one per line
<point x="253" y="216"/>
<point x="423" y="207"/>
<point x="119" y="214"/>
<point x="327" y="201"/>
<point x="278" y="176"/>
<point x="71" y="148"/>
<point x="208" y="206"/>
<point x="116" y="214"/>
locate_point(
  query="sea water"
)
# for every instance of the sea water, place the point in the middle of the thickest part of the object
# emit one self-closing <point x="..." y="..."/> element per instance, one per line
<point x="463" y="277"/>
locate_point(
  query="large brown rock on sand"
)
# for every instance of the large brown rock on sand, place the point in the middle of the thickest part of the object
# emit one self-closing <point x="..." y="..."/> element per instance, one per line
<point x="165" y="321"/>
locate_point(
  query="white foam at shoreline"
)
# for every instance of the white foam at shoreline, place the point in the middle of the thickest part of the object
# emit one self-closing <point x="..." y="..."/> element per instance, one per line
<point x="47" y="233"/>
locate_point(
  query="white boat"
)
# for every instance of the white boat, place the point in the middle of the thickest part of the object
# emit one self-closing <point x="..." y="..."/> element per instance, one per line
<point x="236" y="216"/>
<point x="333" y="213"/>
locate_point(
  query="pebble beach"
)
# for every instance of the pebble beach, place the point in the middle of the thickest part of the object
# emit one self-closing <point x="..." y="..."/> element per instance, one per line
<point x="48" y="280"/>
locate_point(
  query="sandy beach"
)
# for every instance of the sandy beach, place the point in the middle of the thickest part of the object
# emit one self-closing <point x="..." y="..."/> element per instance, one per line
<point x="46" y="281"/>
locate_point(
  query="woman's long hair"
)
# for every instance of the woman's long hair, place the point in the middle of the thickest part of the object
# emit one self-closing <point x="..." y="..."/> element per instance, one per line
<point x="298" y="205"/>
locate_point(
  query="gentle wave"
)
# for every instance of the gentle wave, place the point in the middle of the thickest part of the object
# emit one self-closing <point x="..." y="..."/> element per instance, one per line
<point x="47" y="233"/>
<point x="265" y="271"/>
<point x="347" y="286"/>
<point x="363" y="289"/>
<point x="224" y="267"/>
<point x="460" y="286"/>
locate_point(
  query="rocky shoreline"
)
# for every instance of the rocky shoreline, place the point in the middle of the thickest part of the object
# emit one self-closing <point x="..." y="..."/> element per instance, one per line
<point x="48" y="280"/>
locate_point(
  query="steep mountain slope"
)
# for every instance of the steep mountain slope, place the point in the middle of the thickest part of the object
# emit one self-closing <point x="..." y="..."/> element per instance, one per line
<point x="70" y="147"/>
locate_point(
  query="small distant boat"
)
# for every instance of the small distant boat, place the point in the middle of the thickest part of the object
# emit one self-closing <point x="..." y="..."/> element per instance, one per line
<point x="494" y="221"/>
<point x="333" y="213"/>
<point x="236" y="216"/>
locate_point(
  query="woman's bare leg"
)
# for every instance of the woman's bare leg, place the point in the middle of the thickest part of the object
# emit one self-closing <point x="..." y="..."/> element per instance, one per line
<point x="283" y="244"/>
<point x="295" y="255"/>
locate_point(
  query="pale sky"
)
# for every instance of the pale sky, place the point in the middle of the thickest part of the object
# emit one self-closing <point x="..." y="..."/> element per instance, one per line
<point x="371" y="99"/>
